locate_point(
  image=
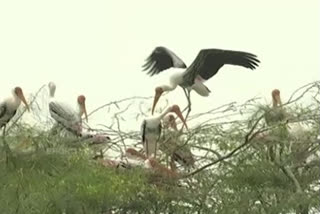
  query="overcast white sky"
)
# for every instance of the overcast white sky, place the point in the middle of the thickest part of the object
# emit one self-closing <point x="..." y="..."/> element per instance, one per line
<point x="96" y="48"/>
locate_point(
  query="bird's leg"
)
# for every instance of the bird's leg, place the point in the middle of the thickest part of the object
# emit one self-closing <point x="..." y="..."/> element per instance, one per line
<point x="186" y="94"/>
<point x="155" y="150"/>
<point x="6" y="146"/>
<point x="147" y="148"/>
<point x="189" y="104"/>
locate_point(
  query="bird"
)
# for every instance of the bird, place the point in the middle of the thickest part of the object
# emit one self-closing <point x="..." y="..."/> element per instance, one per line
<point x="172" y="145"/>
<point x="9" y="106"/>
<point x="275" y="116"/>
<point x="205" y="65"/>
<point x="151" y="129"/>
<point x="66" y="116"/>
<point x="8" y="109"/>
<point x="276" y="113"/>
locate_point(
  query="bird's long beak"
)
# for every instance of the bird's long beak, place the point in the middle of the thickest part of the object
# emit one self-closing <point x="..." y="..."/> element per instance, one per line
<point x="156" y="99"/>
<point x="179" y="114"/>
<point x="84" y="111"/>
<point x="23" y="99"/>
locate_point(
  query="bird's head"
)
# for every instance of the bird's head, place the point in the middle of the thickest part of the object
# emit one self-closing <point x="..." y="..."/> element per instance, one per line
<point x="82" y="104"/>
<point x="175" y="109"/>
<point x="52" y="88"/>
<point x="170" y="121"/>
<point x="276" y="100"/>
<point x="158" y="93"/>
<point x="19" y="93"/>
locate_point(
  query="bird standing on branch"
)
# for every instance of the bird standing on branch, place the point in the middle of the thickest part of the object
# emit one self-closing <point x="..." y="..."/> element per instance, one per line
<point x="68" y="117"/>
<point x="205" y="65"/>
<point x="8" y="109"/>
<point x="172" y="145"/>
<point x="151" y="129"/>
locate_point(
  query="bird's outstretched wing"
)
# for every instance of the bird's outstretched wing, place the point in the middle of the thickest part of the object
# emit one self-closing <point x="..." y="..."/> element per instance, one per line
<point x="161" y="59"/>
<point x="209" y="61"/>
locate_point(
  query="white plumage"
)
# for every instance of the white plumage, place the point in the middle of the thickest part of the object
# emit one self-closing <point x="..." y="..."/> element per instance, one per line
<point x="9" y="106"/>
<point x="151" y="129"/>
<point x="66" y="116"/>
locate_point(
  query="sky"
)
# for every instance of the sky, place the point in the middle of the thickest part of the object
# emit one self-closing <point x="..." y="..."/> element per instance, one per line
<point x="97" y="48"/>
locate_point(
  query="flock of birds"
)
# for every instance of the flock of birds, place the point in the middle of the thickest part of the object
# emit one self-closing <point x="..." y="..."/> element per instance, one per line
<point x="205" y="65"/>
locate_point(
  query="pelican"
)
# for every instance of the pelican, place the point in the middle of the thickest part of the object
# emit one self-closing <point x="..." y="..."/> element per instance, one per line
<point x="68" y="117"/>
<point x="9" y="106"/>
<point x="205" y="65"/>
<point x="171" y="144"/>
<point x="151" y="129"/>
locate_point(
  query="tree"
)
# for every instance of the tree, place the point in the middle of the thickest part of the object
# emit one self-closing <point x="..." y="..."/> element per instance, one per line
<point x="242" y="164"/>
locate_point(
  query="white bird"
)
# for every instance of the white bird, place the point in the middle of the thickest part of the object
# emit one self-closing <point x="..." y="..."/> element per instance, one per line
<point x="277" y="113"/>
<point x="8" y="109"/>
<point x="205" y="65"/>
<point x="9" y="106"/>
<point x="151" y="129"/>
<point x="68" y="117"/>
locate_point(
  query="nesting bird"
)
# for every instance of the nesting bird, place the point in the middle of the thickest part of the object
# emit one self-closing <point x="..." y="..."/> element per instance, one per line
<point x="66" y="116"/>
<point x="10" y="105"/>
<point x="151" y="129"/>
<point x="172" y="145"/>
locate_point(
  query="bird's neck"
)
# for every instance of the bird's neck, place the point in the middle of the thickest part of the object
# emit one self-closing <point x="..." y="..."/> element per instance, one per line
<point x="80" y="111"/>
<point x="169" y="87"/>
<point x="14" y="102"/>
<point x="275" y="104"/>
<point x="52" y="92"/>
<point x="164" y="113"/>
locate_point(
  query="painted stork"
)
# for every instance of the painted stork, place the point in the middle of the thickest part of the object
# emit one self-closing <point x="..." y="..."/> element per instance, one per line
<point x="8" y="109"/>
<point x="151" y="129"/>
<point x="276" y="113"/>
<point x="171" y="144"/>
<point x="205" y="65"/>
<point x="9" y="106"/>
<point x="68" y="117"/>
<point x="272" y="116"/>
<point x="151" y="163"/>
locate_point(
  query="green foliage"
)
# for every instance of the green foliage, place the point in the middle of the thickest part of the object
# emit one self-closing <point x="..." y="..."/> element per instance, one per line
<point x="250" y="165"/>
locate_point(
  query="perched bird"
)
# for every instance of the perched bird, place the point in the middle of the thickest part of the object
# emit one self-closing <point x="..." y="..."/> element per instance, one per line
<point x="206" y="65"/>
<point x="151" y="129"/>
<point x="274" y="116"/>
<point x="9" y="106"/>
<point x="66" y="116"/>
<point x="8" y="109"/>
<point x="172" y="145"/>
<point x="276" y="113"/>
<point x="151" y="163"/>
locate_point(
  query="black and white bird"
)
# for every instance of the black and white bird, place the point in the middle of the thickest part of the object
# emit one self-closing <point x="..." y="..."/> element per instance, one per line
<point x="9" y="106"/>
<point x="8" y="109"/>
<point x="65" y="115"/>
<point x="151" y="129"/>
<point x="205" y="65"/>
